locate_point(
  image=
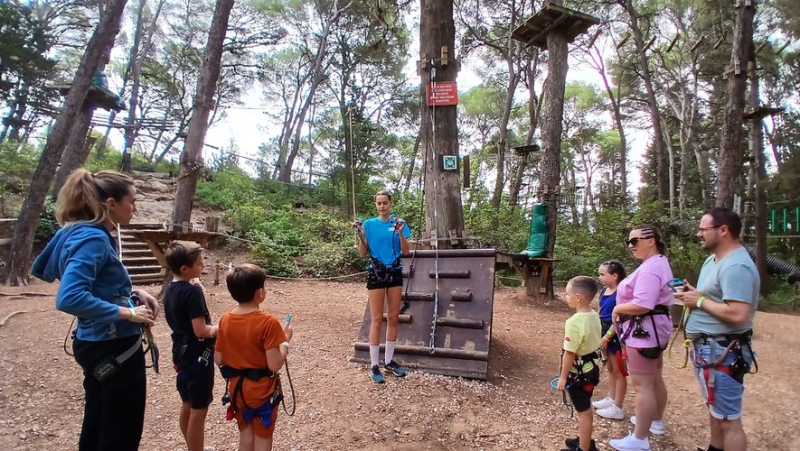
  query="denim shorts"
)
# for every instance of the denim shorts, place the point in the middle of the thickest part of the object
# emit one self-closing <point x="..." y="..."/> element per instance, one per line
<point x="728" y="391"/>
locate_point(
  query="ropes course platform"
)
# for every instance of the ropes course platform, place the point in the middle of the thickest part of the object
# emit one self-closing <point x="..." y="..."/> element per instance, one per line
<point x="450" y="332"/>
<point x="535" y="272"/>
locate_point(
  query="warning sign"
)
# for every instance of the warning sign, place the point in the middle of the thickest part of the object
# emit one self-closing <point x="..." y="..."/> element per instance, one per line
<point x="442" y="93"/>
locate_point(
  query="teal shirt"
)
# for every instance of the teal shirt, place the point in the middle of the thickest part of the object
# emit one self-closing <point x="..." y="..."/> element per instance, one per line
<point x="732" y="278"/>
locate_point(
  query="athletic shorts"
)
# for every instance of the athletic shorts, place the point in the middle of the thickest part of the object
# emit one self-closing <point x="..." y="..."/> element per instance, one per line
<point x="198" y="389"/>
<point x="581" y="395"/>
<point x="392" y="278"/>
<point x="613" y="344"/>
<point x="640" y="364"/>
<point x="728" y="391"/>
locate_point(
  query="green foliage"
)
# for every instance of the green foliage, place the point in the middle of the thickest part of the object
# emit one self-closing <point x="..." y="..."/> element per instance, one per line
<point x="230" y="188"/>
<point x="17" y="164"/>
<point x="782" y="295"/>
<point x="505" y="228"/>
<point x="47" y="225"/>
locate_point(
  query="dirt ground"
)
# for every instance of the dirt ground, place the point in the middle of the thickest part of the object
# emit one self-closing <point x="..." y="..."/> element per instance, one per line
<point x="339" y="408"/>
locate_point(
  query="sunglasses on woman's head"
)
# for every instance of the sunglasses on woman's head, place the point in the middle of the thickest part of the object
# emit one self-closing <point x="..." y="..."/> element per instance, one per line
<point x="634" y="241"/>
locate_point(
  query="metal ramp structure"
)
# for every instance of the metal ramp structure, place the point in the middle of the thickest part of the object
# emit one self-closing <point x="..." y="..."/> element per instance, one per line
<point x="463" y="323"/>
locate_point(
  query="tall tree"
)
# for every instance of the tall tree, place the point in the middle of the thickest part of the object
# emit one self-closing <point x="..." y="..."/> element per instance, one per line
<point x="192" y="157"/>
<point x="16" y="270"/>
<point x="443" y="209"/>
<point x="731" y="146"/>
<point x="655" y="114"/>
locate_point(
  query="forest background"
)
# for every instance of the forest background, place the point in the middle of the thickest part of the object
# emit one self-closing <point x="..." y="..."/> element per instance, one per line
<point x="332" y="78"/>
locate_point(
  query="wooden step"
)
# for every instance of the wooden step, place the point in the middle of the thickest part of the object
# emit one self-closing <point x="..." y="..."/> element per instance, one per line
<point x="146" y="279"/>
<point x="135" y="253"/>
<point x="134" y="246"/>
<point x="139" y="261"/>
<point x="154" y="269"/>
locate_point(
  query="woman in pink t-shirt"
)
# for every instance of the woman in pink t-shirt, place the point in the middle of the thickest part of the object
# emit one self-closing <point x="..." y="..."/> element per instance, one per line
<point x="643" y="300"/>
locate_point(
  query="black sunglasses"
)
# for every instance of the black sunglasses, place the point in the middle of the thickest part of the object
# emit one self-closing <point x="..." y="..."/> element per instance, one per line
<point x="634" y="241"/>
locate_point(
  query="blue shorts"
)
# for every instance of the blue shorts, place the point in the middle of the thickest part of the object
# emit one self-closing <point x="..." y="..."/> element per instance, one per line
<point x="727" y="390"/>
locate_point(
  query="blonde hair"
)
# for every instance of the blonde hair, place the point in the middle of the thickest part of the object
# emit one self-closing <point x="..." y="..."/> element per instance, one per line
<point x="83" y="196"/>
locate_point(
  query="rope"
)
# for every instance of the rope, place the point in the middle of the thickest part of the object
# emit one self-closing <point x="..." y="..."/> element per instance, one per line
<point x="319" y="278"/>
<point x="432" y="345"/>
<point x="685" y="313"/>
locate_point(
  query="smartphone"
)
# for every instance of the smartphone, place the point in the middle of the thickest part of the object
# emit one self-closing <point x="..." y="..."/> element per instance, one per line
<point x="676" y="284"/>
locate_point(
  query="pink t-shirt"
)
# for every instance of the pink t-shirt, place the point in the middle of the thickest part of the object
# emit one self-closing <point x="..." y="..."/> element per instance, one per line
<point x="647" y="287"/>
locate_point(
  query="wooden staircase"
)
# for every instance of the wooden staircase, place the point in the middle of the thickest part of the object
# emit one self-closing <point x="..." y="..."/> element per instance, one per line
<point x="142" y="265"/>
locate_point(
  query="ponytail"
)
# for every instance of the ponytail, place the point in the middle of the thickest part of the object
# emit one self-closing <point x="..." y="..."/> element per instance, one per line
<point x="83" y="196"/>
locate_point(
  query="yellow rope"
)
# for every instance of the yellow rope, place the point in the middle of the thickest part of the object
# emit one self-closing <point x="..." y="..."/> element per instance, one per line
<point x="685" y="313"/>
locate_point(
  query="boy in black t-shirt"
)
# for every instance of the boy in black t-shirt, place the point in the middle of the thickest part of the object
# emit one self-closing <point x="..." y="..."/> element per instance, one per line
<point x="192" y="339"/>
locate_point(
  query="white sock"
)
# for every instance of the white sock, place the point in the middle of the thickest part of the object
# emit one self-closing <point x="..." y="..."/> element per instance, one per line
<point x="389" y="351"/>
<point x="374" y="355"/>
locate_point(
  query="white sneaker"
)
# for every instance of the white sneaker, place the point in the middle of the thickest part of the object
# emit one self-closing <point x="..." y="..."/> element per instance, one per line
<point x="656" y="427"/>
<point x="603" y="403"/>
<point x="612" y="412"/>
<point x="630" y="443"/>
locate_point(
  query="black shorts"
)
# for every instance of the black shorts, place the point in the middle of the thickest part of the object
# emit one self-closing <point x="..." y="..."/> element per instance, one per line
<point x="581" y="394"/>
<point x="198" y="387"/>
<point x="388" y="279"/>
<point x="613" y="344"/>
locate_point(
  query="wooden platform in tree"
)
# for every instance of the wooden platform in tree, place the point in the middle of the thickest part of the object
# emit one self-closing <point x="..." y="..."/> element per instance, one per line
<point x="97" y="97"/>
<point x="552" y="18"/>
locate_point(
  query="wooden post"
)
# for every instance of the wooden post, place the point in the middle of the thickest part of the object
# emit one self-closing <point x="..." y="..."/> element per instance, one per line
<point x="216" y="273"/>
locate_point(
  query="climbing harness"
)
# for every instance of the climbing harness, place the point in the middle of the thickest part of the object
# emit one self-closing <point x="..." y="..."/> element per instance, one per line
<point x="264" y="411"/>
<point x="636" y="330"/>
<point x="730" y="343"/>
<point x="377" y="268"/>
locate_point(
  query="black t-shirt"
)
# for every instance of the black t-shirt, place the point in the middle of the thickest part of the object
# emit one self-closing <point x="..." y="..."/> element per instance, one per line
<point x="183" y="302"/>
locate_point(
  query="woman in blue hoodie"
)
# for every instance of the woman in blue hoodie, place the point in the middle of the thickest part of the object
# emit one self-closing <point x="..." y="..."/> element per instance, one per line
<point x="96" y="288"/>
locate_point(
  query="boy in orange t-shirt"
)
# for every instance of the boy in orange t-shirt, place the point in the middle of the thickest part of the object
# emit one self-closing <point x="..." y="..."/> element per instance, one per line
<point x="251" y="348"/>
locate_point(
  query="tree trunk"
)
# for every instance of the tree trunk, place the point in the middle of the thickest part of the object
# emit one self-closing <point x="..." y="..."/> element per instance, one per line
<point x="16" y="270"/>
<point x="192" y="157"/>
<point x="655" y="114"/>
<point x="443" y="209"/>
<point x="134" y="56"/>
<point x="623" y="140"/>
<point x="671" y="153"/>
<point x="21" y="107"/>
<point x="502" y="146"/>
<point x="76" y="151"/>
<point x="135" y="69"/>
<point x="411" y="164"/>
<point x="730" y="160"/>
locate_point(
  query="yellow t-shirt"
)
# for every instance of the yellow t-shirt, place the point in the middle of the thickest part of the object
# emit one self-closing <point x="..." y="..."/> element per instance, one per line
<point x="582" y="335"/>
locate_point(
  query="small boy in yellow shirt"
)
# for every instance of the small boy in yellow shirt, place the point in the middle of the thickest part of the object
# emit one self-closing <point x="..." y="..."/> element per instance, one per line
<point x="580" y="372"/>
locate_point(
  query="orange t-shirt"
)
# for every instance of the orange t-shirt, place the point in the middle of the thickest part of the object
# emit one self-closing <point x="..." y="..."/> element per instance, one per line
<point x="243" y="341"/>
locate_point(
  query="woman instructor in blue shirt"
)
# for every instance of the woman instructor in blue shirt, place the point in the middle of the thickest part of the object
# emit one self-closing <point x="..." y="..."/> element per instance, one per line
<point x="384" y="240"/>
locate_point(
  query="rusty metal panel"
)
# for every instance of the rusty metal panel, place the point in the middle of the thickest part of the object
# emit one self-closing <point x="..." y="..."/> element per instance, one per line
<point x="462" y="340"/>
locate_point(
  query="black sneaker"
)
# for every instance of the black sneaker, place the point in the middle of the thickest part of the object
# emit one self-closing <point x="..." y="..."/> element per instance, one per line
<point x="395" y="369"/>
<point x="573" y="444"/>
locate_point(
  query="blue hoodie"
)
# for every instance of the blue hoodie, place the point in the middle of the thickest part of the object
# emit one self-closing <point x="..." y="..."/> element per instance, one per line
<point x="94" y="282"/>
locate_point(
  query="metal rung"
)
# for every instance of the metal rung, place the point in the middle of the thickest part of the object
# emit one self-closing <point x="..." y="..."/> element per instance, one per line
<point x="417" y="296"/>
<point x="451" y="274"/>
<point x="460" y="322"/>
<point x="425" y="351"/>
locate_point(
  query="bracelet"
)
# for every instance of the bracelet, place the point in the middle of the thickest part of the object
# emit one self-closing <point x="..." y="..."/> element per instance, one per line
<point x="286" y="343"/>
<point x="133" y="314"/>
<point x="700" y="302"/>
